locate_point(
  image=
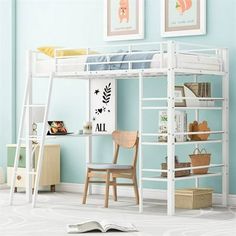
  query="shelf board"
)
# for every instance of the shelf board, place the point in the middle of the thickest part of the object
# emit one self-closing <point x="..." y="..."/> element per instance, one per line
<point x="76" y="135"/>
<point x="182" y="143"/>
<point x="198" y="108"/>
<point x="199" y="167"/>
<point x="185" y="98"/>
<point x="181" y="108"/>
<point x="192" y="176"/>
<point x="183" y="133"/>
<point x="154" y="170"/>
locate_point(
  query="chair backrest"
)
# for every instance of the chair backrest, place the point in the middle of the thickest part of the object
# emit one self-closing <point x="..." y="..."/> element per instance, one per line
<point x="126" y="139"/>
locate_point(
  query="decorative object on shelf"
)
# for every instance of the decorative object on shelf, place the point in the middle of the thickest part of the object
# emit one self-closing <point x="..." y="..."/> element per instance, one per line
<point x="180" y="126"/>
<point x="37" y="117"/>
<point x="198" y="90"/>
<point x="200" y="158"/>
<point x="202" y="89"/>
<point x="124" y="19"/>
<point x="193" y="198"/>
<point x="183" y="17"/>
<point x="177" y="165"/>
<point x="87" y="127"/>
<point x="179" y="93"/>
<point x="197" y="127"/>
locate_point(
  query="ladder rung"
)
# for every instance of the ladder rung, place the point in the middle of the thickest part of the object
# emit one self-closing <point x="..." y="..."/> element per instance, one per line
<point x="31" y="139"/>
<point x="32" y="173"/>
<point x="35" y="105"/>
<point x="154" y="99"/>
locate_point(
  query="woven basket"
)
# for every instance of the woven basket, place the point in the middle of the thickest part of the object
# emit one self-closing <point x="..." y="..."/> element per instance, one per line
<point x="177" y="165"/>
<point x="200" y="159"/>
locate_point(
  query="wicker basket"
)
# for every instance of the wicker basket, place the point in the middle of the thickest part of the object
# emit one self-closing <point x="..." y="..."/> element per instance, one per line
<point x="200" y="159"/>
<point x="177" y="165"/>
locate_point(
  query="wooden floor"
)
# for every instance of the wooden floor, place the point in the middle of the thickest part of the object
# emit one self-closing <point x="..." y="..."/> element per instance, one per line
<point x="56" y="210"/>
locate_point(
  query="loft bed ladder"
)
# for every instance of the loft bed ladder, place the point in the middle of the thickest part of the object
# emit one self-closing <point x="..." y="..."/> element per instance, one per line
<point x="32" y="141"/>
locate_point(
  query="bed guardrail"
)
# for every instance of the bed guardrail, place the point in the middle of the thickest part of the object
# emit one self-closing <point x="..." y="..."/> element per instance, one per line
<point x="127" y="57"/>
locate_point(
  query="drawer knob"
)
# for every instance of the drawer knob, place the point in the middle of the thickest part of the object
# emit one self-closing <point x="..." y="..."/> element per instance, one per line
<point x="18" y="177"/>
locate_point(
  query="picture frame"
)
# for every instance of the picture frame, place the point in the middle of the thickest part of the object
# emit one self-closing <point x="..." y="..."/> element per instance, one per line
<point x="183" y="18"/>
<point x="123" y="20"/>
<point x="179" y="92"/>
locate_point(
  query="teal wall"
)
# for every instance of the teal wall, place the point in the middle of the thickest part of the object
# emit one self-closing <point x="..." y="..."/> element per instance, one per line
<point x="80" y="23"/>
<point x="7" y="76"/>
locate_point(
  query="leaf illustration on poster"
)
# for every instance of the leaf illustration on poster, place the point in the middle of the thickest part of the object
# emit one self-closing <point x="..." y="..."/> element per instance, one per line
<point x="103" y="106"/>
<point x="107" y="94"/>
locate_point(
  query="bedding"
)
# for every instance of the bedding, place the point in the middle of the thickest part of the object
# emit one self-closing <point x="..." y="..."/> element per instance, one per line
<point x="50" y="51"/>
<point x="120" y="61"/>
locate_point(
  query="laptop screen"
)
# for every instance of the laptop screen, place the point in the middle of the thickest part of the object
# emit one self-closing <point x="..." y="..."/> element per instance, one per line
<point x="56" y="128"/>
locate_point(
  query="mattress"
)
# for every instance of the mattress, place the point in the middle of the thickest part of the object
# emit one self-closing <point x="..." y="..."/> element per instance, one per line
<point x="158" y="61"/>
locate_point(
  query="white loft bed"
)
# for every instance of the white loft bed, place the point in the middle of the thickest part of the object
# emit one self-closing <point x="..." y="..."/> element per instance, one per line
<point x="127" y="60"/>
<point x="146" y="60"/>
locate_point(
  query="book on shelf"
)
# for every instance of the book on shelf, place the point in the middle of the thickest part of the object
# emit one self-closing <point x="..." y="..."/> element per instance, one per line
<point x="102" y="226"/>
<point x="180" y="125"/>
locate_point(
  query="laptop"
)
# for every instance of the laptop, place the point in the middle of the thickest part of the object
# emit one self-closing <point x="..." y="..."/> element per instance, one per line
<point x="57" y="128"/>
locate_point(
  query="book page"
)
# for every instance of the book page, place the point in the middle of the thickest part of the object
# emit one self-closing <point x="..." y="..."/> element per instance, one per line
<point x="84" y="227"/>
<point x="121" y="226"/>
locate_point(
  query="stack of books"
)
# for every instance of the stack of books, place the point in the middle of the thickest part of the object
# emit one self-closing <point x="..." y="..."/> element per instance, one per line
<point x="180" y="125"/>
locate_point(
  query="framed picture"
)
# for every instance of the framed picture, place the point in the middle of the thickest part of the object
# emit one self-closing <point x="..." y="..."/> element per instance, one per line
<point x="124" y="19"/>
<point x="183" y="17"/>
<point x="179" y="93"/>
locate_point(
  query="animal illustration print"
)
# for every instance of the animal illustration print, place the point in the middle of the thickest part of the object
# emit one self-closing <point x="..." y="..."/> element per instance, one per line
<point x="124" y="10"/>
<point x="183" y="5"/>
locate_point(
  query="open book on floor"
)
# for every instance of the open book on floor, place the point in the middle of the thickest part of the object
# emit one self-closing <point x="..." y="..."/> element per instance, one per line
<point x="102" y="226"/>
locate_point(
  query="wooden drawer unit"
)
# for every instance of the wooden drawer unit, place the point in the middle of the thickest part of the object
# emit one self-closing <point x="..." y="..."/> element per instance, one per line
<point x="50" y="175"/>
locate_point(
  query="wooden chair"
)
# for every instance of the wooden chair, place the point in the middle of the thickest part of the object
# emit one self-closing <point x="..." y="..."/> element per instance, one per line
<point x="124" y="139"/>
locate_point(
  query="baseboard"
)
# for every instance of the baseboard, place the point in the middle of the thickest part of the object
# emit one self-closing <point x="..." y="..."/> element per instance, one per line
<point x="127" y="192"/>
<point x="3" y="186"/>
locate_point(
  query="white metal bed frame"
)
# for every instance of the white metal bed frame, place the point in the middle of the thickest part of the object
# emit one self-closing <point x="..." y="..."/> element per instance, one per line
<point x="170" y="49"/>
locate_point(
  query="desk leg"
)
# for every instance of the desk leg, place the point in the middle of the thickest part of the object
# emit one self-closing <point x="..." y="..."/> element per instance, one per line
<point x="89" y="156"/>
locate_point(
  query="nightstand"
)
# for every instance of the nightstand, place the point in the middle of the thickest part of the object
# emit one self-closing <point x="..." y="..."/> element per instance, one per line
<point x="50" y="175"/>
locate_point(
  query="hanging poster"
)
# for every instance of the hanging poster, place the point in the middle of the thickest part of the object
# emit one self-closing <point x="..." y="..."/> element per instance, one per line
<point x="103" y="105"/>
<point x="183" y="17"/>
<point x="124" y="19"/>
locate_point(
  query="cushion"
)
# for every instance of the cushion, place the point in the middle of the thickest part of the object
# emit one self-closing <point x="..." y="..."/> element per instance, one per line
<point x="100" y="166"/>
<point x="50" y="51"/>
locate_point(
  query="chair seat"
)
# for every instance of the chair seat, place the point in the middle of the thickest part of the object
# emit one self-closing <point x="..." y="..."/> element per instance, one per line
<point x="101" y="166"/>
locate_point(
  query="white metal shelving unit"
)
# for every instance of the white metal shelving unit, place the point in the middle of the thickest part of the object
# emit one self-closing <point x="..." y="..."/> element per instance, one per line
<point x="172" y="72"/>
<point x="169" y="54"/>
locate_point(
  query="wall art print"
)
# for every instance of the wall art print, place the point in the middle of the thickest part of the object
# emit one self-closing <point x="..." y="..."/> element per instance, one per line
<point x="124" y="19"/>
<point x="183" y="17"/>
<point x="103" y="106"/>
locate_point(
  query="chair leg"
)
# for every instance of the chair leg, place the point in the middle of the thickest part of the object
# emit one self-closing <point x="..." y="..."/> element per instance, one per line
<point x="86" y="187"/>
<point x="114" y="189"/>
<point x="107" y="189"/>
<point x="136" y="189"/>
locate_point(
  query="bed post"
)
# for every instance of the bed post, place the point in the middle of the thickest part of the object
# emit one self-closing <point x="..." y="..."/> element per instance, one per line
<point x="140" y="143"/>
<point x="28" y="124"/>
<point x="171" y="129"/>
<point x="225" y="126"/>
<point x="89" y="138"/>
